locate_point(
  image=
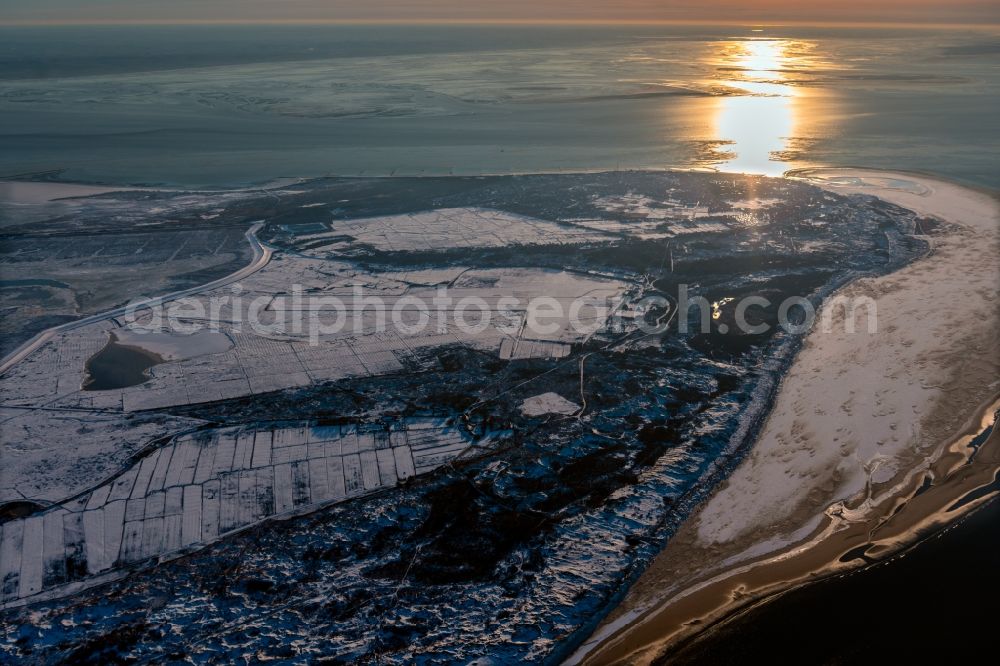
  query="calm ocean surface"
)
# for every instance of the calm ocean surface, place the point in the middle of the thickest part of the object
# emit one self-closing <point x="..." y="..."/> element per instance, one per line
<point x="230" y="105"/>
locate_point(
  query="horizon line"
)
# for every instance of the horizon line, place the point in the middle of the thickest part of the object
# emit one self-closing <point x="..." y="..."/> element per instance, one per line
<point x="522" y="22"/>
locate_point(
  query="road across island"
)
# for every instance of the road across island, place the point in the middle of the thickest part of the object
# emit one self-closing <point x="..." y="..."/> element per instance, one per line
<point x="261" y="256"/>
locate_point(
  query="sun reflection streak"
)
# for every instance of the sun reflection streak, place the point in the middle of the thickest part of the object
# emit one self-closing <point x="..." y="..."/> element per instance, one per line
<point x="756" y="122"/>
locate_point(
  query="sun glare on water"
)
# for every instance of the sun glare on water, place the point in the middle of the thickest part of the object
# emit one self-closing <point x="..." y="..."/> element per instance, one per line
<point x="756" y="122"/>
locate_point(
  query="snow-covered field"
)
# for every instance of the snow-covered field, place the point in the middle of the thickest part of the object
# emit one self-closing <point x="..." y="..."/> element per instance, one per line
<point x="204" y="485"/>
<point x="239" y="361"/>
<point x="445" y="228"/>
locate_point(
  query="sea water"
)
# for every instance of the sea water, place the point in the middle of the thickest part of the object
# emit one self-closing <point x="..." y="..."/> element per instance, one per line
<point x="218" y="105"/>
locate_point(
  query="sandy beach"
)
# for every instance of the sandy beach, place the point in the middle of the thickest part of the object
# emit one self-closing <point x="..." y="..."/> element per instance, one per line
<point x="867" y="448"/>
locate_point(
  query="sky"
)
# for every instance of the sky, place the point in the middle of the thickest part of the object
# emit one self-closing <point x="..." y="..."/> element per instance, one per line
<point x="755" y="11"/>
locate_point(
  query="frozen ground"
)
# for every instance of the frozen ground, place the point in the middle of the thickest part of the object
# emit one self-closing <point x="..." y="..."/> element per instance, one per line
<point x="509" y="552"/>
<point x="240" y="362"/>
<point x="444" y="228"/>
<point x="204" y="485"/>
<point x="548" y="403"/>
<point x="54" y="454"/>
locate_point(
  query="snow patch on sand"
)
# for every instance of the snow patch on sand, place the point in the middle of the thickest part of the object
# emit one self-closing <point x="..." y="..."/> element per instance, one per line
<point x="850" y="409"/>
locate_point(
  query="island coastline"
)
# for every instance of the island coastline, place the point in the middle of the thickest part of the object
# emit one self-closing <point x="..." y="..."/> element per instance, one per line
<point x="739" y="563"/>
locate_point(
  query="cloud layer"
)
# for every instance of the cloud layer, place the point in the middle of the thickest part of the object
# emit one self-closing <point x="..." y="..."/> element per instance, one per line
<point x="901" y="11"/>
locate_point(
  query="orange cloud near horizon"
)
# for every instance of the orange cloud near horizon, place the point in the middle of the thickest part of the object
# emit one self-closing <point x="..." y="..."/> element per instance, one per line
<point x="710" y="11"/>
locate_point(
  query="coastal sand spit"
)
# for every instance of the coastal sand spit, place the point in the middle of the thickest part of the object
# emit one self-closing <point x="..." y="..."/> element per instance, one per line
<point x="860" y="423"/>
